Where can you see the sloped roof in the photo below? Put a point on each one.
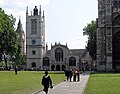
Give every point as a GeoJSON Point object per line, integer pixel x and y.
{"type": "Point", "coordinates": [78, 52]}
{"type": "Point", "coordinates": [87, 57]}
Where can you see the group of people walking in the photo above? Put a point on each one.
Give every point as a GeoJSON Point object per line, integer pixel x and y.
{"type": "Point", "coordinates": [75, 74]}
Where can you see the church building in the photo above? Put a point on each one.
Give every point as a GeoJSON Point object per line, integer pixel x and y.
{"type": "Point", "coordinates": [35, 38]}
{"type": "Point", "coordinates": [108, 35]}
{"type": "Point", "coordinates": [59, 57]}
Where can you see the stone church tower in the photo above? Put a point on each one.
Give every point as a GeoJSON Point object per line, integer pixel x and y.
{"type": "Point", "coordinates": [35, 38]}
{"type": "Point", "coordinates": [21, 37]}
{"type": "Point", "coordinates": [108, 35]}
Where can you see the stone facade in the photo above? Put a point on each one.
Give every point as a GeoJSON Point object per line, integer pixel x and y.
{"type": "Point", "coordinates": [108, 33]}
{"type": "Point", "coordinates": [21, 37]}
{"type": "Point", "coordinates": [35, 38]}
{"type": "Point", "coordinates": [60, 57]}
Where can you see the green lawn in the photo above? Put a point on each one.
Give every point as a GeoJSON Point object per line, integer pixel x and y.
{"type": "Point", "coordinates": [108, 83]}
{"type": "Point", "coordinates": [25, 82]}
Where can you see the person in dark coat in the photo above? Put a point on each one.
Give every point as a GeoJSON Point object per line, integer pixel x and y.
{"type": "Point", "coordinates": [78, 75]}
{"type": "Point", "coordinates": [46, 82]}
{"type": "Point", "coordinates": [70, 74]}
{"type": "Point", "coordinates": [15, 70]}
{"type": "Point", "coordinates": [67, 74]}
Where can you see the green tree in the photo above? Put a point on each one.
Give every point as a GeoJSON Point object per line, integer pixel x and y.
{"type": "Point", "coordinates": [8, 35]}
{"type": "Point", "coordinates": [90, 31]}
{"type": "Point", "coordinates": [20, 58]}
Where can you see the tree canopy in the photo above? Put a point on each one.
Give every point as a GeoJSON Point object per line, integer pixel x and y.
{"type": "Point", "coordinates": [8, 35]}
{"type": "Point", "coordinates": [90, 31]}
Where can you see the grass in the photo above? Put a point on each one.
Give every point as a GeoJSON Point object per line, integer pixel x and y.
{"type": "Point", "coordinates": [106, 83]}
{"type": "Point", "coordinates": [25, 82]}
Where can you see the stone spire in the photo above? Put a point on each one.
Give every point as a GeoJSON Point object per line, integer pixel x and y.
{"type": "Point", "coordinates": [21, 36]}
{"type": "Point", "coordinates": [40, 10]}
{"type": "Point", "coordinates": [46, 47]}
{"type": "Point", "coordinates": [27, 10]}
{"type": "Point", "coordinates": [19, 28]}
{"type": "Point", "coordinates": [43, 14]}
{"type": "Point", "coordinates": [66, 44]}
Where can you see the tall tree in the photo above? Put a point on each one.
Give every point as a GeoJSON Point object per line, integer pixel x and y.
{"type": "Point", "coordinates": [8, 35]}
{"type": "Point", "coordinates": [90, 31]}
{"type": "Point", "coordinates": [20, 58]}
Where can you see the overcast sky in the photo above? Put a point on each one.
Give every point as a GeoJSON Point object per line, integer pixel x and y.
{"type": "Point", "coordinates": [65, 19]}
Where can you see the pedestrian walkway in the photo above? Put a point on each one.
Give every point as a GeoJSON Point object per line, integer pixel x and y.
{"type": "Point", "coordinates": [67, 87]}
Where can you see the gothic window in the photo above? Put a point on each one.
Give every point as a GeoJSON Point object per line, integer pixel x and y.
{"type": "Point", "coordinates": [34, 26]}
{"type": "Point", "coordinates": [59, 54]}
{"type": "Point", "coordinates": [33, 64]}
{"type": "Point", "coordinates": [72, 61]}
{"type": "Point", "coordinates": [33, 52]}
{"type": "Point", "coordinates": [46, 61]}
{"type": "Point", "coordinates": [116, 21]}
{"type": "Point", "coordinates": [115, 4]}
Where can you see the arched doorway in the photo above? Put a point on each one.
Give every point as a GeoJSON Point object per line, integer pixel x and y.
{"type": "Point", "coordinates": [116, 51]}
{"type": "Point", "coordinates": [33, 65]}
{"type": "Point", "coordinates": [63, 67]}
{"type": "Point", "coordinates": [72, 61]}
{"type": "Point", "coordinates": [53, 67]}
{"type": "Point", "coordinates": [58, 68]}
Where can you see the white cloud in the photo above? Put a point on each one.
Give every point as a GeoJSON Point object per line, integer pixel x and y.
{"type": "Point", "coordinates": [18, 8]}
{"type": "Point", "coordinates": [78, 42]}
{"type": "Point", "coordinates": [39, 2]}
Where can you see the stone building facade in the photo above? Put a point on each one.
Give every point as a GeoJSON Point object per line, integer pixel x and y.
{"type": "Point", "coordinates": [21, 37]}
{"type": "Point", "coordinates": [35, 38]}
{"type": "Point", "coordinates": [108, 35]}
{"type": "Point", "coordinates": [61, 58]}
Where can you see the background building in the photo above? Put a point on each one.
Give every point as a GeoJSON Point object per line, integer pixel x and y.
{"type": "Point", "coordinates": [21, 37]}
{"type": "Point", "coordinates": [108, 35]}
{"type": "Point", "coordinates": [60, 57]}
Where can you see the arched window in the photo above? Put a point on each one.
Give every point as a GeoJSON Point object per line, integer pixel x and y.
{"type": "Point", "coordinates": [33, 64]}
{"type": "Point", "coordinates": [34, 26]}
{"type": "Point", "coordinates": [46, 61]}
{"type": "Point", "coordinates": [59, 54]}
{"type": "Point", "coordinates": [33, 52]}
{"type": "Point", "coordinates": [72, 61]}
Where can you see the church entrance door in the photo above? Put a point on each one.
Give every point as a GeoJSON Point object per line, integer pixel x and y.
{"type": "Point", "coordinates": [116, 51]}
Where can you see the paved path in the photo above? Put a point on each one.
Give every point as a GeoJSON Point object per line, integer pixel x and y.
{"type": "Point", "coordinates": [67, 87]}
